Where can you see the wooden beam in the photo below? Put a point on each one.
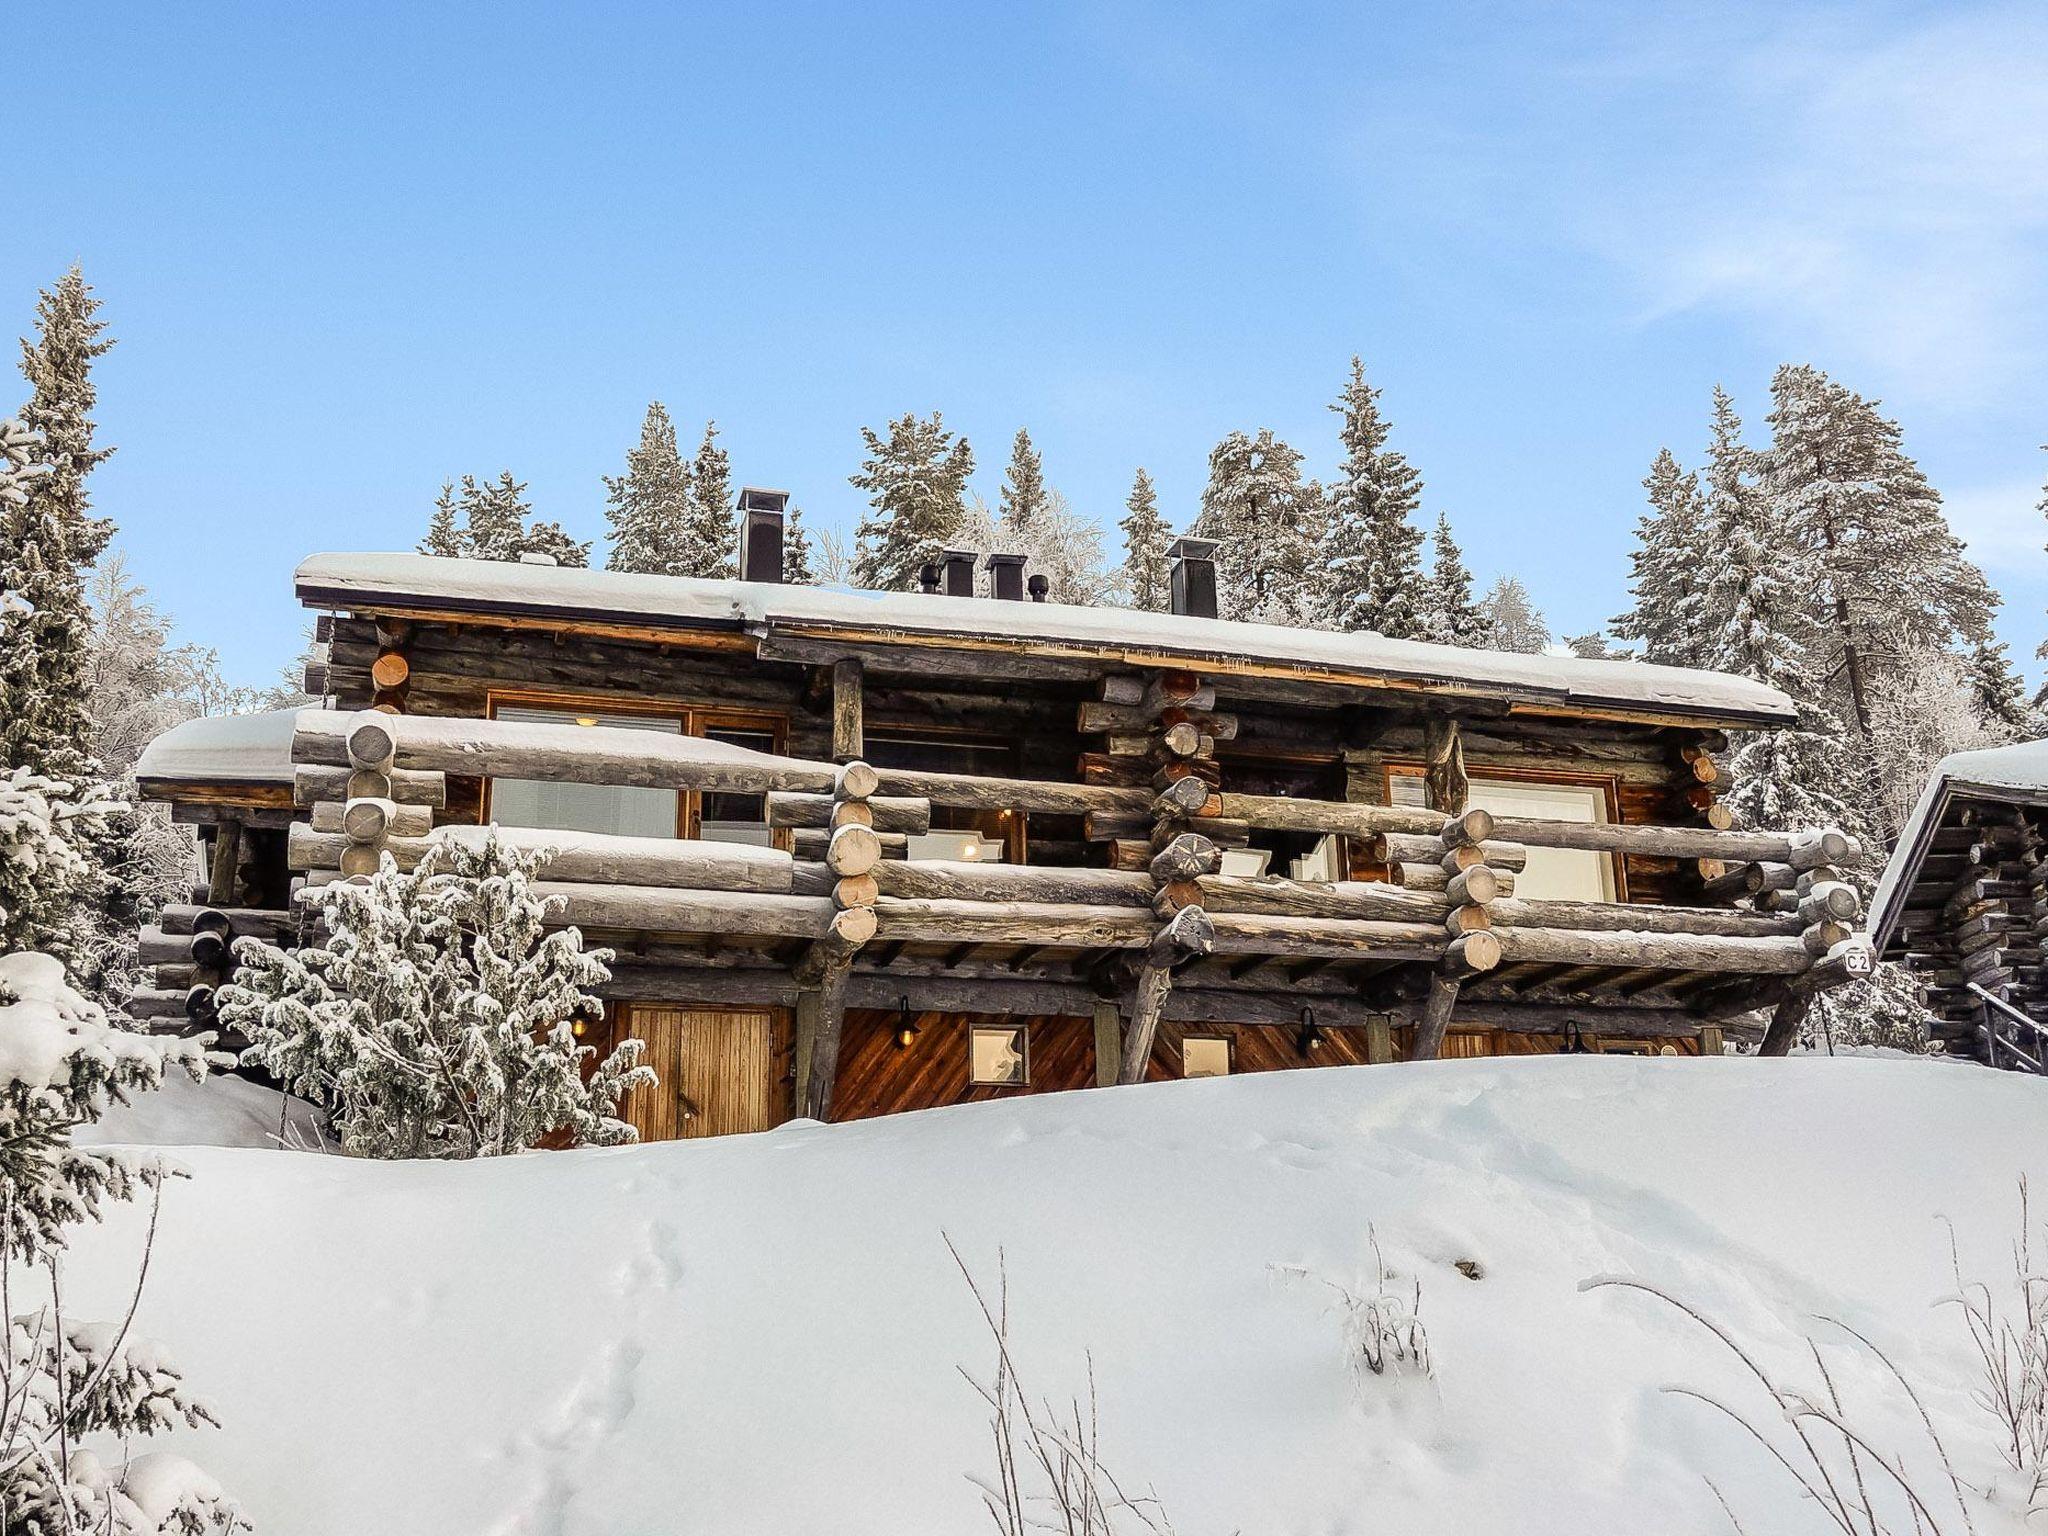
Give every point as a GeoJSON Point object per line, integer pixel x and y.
{"type": "Point", "coordinates": [227, 859]}
{"type": "Point", "coordinates": [1443, 758]}
{"type": "Point", "coordinates": [1436, 1017]}
{"type": "Point", "coordinates": [1108, 1044]}
{"type": "Point", "coordinates": [1786, 1020]}
{"type": "Point", "coordinates": [830, 1006]}
{"type": "Point", "coordinates": [848, 736]}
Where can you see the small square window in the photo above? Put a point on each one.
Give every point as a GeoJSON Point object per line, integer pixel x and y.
{"type": "Point", "coordinates": [999, 1058]}
{"type": "Point", "coordinates": [1204, 1056]}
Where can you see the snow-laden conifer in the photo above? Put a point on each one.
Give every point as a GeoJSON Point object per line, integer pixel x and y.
{"type": "Point", "coordinates": [1999, 694]}
{"type": "Point", "coordinates": [710, 531]}
{"type": "Point", "coordinates": [1265, 521]}
{"type": "Point", "coordinates": [648, 505]}
{"type": "Point", "coordinates": [1881, 570]}
{"type": "Point", "coordinates": [1374, 549]}
{"type": "Point", "coordinates": [798, 568]}
{"type": "Point", "coordinates": [1669, 568]}
{"type": "Point", "coordinates": [1059, 544]}
{"type": "Point", "coordinates": [446, 536]}
{"type": "Point", "coordinates": [1513, 622]}
{"type": "Point", "coordinates": [439, 1016]}
{"type": "Point", "coordinates": [1450, 616]}
{"type": "Point", "coordinates": [1023, 499]}
{"type": "Point", "coordinates": [1147, 571]}
{"type": "Point", "coordinates": [49, 537]}
{"type": "Point", "coordinates": [916, 483]}
{"type": "Point", "coordinates": [494, 525]}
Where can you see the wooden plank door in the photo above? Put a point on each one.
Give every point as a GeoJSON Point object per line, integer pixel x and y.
{"type": "Point", "coordinates": [716, 1069]}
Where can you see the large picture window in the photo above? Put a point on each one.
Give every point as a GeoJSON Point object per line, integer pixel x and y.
{"type": "Point", "coordinates": [628, 811]}
{"type": "Point", "coordinates": [1553, 874]}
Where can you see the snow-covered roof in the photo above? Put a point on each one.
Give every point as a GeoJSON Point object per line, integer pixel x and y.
{"type": "Point", "coordinates": [224, 749]}
{"type": "Point", "coordinates": [343, 580]}
{"type": "Point", "coordinates": [2016, 772]}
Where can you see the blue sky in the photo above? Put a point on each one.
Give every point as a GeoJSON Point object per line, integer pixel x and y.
{"type": "Point", "coordinates": [352, 251]}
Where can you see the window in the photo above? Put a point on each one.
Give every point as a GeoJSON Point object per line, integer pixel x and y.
{"type": "Point", "coordinates": [1553, 874]}
{"type": "Point", "coordinates": [585, 807]}
{"type": "Point", "coordinates": [999, 1058]}
{"type": "Point", "coordinates": [636, 812]}
{"type": "Point", "coordinates": [1204, 1056]}
{"type": "Point", "coordinates": [957, 832]}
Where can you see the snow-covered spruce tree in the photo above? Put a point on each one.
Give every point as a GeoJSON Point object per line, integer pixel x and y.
{"type": "Point", "coordinates": [1374, 550]}
{"type": "Point", "coordinates": [1147, 571]}
{"type": "Point", "coordinates": [1023, 499]}
{"type": "Point", "coordinates": [494, 524]}
{"type": "Point", "coordinates": [916, 483]}
{"type": "Point", "coordinates": [446, 536]}
{"type": "Point", "coordinates": [48, 539]}
{"type": "Point", "coordinates": [797, 567]}
{"type": "Point", "coordinates": [1882, 572]}
{"type": "Point", "coordinates": [1670, 568]}
{"type": "Point", "coordinates": [1513, 622]}
{"type": "Point", "coordinates": [1593, 646]}
{"type": "Point", "coordinates": [710, 537]}
{"type": "Point", "coordinates": [1265, 522]}
{"type": "Point", "coordinates": [553, 540]}
{"type": "Point", "coordinates": [648, 505]}
{"type": "Point", "coordinates": [438, 1018]}
{"type": "Point", "coordinates": [1449, 614]}
{"type": "Point", "coordinates": [2000, 695]}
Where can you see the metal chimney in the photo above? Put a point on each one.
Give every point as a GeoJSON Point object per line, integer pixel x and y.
{"type": "Point", "coordinates": [1192, 580]}
{"type": "Point", "coordinates": [1006, 576]}
{"type": "Point", "coordinates": [761, 533]}
{"type": "Point", "coordinates": [1039, 587]}
{"type": "Point", "coordinates": [959, 569]}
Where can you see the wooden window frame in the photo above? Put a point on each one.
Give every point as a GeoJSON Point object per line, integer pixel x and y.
{"type": "Point", "coordinates": [1016, 826]}
{"type": "Point", "coordinates": [1229, 1044]}
{"type": "Point", "coordinates": [1608, 784]}
{"type": "Point", "coordinates": [693, 718]}
{"type": "Point", "coordinates": [1023, 1034]}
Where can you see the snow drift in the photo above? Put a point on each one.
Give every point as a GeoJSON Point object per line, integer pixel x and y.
{"type": "Point", "coordinates": [761, 1334]}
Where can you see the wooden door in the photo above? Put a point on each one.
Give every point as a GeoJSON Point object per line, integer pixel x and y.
{"type": "Point", "coordinates": [716, 1069]}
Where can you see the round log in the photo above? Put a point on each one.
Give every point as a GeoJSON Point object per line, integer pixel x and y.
{"type": "Point", "coordinates": [211, 920]}
{"type": "Point", "coordinates": [966, 880]}
{"type": "Point", "coordinates": [390, 670]}
{"type": "Point", "coordinates": [852, 813]}
{"type": "Point", "coordinates": [855, 781]}
{"type": "Point", "coordinates": [372, 742]}
{"type": "Point", "coordinates": [1822, 937]}
{"type": "Point", "coordinates": [1466, 920]}
{"type": "Point", "coordinates": [855, 891]}
{"type": "Point", "coordinates": [369, 784]}
{"type": "Point", "coordinates": [1183, 797]}
{"type": "Point", "coordinates": [1182, 740]}
{"type": "Point", "coordinates": [1472, 953]}
{"type": "Point", "coordinates": [1188, 857]}
{"type": "Point", "coordinates": [1653, 951]}
{"type": "Point", "coordinates": [853, 850]}
{"type": "Point", "coordinates": [209, 949]}
{"type": "Point", "coordinates": [1830, 900]}
{"type": "Point", "coordinates": [367, 821]}
{"type": "Point", "coordinates": [1467, 829]}
{"type": "Point", "coordinates": [1477, 885]}
{"type": "Point", "coordinates": [359, 859]}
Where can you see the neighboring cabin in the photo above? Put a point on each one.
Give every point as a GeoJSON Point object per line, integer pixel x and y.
{"type": "Point", "coordinates": [1964, 900]}
{"type": "Point", "coordinates": [866, 852]}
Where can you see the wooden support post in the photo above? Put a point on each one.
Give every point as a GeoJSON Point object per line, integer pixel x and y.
{"type": "Point", "coordinates": [829, 1004]}
{"type": "Point", "coordinates": [1786, 1020]}
{"type": "Point", "coordinates": [1710, 1039]}
{"type": "Point", "coordinates": [1379, 1040]}
{"type": "Point", "coordinates": [1154, 981]}
{"type": "Point", "coordinates": [1436, 1017]}
{"type": "Point", "coordinates": [227, 859]}
{"type": "Point", "coordinates": [805, 1048]}
{"type": "Point", "coordinates": [1109, 1044]}
{"type": "Point", "coordinates": [1443, 772]}
{"type": "Point", "coordinates": [847, 731]}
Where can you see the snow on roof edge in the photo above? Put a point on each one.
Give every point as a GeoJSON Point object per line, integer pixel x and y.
{"type": "Point", "coordinates": [251, 749]}
{"type": "Point", "coordinates": [611, 596]}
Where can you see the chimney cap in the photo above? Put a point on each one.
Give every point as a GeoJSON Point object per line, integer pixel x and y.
{"type": "Point", "coordinates": [757, 498]}
{"type": "Point", "coordinates": [946, 556]}
{"type": "Point", "coordinates": [995, 558]}
{"type": "Point", "coordinates": [1187, 547]}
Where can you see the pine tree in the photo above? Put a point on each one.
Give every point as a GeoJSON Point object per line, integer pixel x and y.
{"type": "Point", "coordinates": [494, 517]}
{"type": "Point", "coordinates": [797, 569]}
{"type": "Point", "coordinates": [1669, 568]}
{"type": "Point", "coordinates": [1593, 646]}
{"type": "Point", "coordinates": [1999, 694]}
{"type": "Point", "coordinates": [1513, 622]}
{"type": "Point", "coordinates": [552, 540]}
{"type": "Point", "coordinates": [649, 504]}
{"type": "Point", "coordinates": [1882, 573]}
{"type": "Point", "coordinates": [1147, 571]}
{"type": "Point", "coordinates": [1023, 499]}
{"type": "Point", "coordinates": [436, 1020]}
{"type": "Point", "coordinates": [916, 481]}
{"type": "Point", "coordinates": [1449, 615]}
{"type": "Point", "coordinates": [710, 541]}
{"type": "Point", "coordinates": [49, 538]}
{"type": "Point", "coordinates": [1374, 553]}
{"type": "Point", "coordinates": [445, 534]}
{"type": "Point", "coordinates": [1260, 513]}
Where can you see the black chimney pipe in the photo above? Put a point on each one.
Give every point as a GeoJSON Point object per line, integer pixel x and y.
{"type": "Point", "coordinates": [761, 533]}
{"type": "Point", "coordinates": [959, 566]}
{"type": "Point", "coordinates": [1192, 579]}
{"type": "Point", "coordinates": [1005, 576]}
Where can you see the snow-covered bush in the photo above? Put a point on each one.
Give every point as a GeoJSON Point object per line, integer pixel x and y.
{"type": "Point", "coordinates": [1384, 1334]}
{"type": "Point", "coordinates": [62, 1064]}
{"type": "Point", "coordinates": [437, 1018]}
{"type": "Point", "coordinates": [43, 870]}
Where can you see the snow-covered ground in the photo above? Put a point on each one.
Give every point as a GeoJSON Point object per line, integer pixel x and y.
{"type": "Point", "coordinates": [761, 1334]}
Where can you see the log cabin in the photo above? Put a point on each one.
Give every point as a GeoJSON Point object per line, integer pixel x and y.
{"type": "Point", "coordinates": [863, 852]}
{"type": "Point", "coordinates": [1963, 903]}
